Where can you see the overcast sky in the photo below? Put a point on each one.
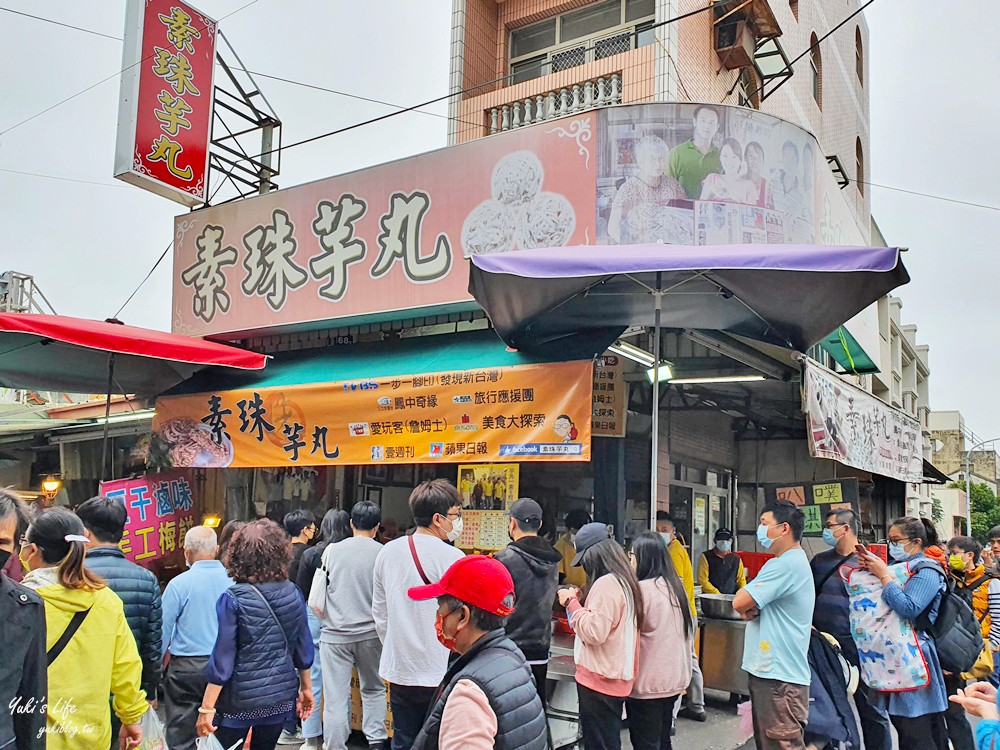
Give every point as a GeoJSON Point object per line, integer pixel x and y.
{"type": "Point", "coordinates": [88, 246]}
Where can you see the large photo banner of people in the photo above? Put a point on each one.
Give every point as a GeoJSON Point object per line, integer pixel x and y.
{"type": "Point", "coordinates": [696, 174]}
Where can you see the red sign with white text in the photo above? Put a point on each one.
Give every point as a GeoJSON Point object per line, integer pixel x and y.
{"type": "Point", "coordinates": [165, 112]}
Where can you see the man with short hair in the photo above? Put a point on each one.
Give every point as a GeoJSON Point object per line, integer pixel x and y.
{"type": "Point", "coordinates": [413, 660]}
{"type": "Point", "coordinates": [534, 567]}
{"type": "Point", "coordinates": [23, 679]}
{"type": "Point", "coordinates": [991, 553]}
{"type": "Point", "coordinates": [104, 525]}
{"type": "Point", "coordinates": [694, 701]}
{"type": "Point", "coordinates": [190, 627]}
{"type": "Point", "coordinates": [487, 698]}
{"type": "Point", "coordinates": [778, 608]}
{"type": "Point", "coordinates": [341, 596]}
{"type": "Point", "coordinates": [832, 615]}
{"type": "Point", "coordinates": [568, 574]}
{"type": "Point", "coordinates": [698, 157]}
{"type": "Point", "coordinates": [300, 525]}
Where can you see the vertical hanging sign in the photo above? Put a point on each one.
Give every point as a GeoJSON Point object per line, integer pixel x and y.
{"type": "Point", "coordinates": [165, 105]}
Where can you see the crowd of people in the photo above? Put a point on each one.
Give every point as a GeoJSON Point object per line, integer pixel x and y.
{"type": "Point", "coordinates": [259, 639]}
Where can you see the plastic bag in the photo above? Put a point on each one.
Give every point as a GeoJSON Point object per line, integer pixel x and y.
{"type": "Point", "coordinates": [746, 719]}
{"type": "Point", "coordinates": [211, 743]}
{"type": "Point", "coordinates": [154, 736]}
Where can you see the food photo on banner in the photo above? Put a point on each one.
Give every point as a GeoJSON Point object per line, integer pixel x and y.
{"type": "Point", "coordinates": [694, 174]}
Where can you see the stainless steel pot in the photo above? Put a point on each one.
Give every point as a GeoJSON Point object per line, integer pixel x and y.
{"type": "Point", "coordinates": [718, 606]}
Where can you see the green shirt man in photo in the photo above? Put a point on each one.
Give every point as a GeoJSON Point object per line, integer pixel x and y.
{"type": "Point", "coordinates": [695, 159]}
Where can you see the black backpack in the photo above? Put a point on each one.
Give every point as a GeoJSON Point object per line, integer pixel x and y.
{"type": "Point", "coordinates": [955, 631]}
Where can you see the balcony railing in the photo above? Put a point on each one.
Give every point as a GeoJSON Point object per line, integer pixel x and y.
{"type": "Point", "coordinates": [599, 92]}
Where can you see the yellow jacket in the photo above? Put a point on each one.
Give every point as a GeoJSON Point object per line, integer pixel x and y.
{"type": "Point", "coordinates": [980, 596]}
{"type": "Point", "coordinates": [100, 660]}
{"type": "Point", "coordinates": [573, 576]}
{"type": "Point", "coordinates": [682, 564]}
{"type": "Point", "coordinates": [706, 585]}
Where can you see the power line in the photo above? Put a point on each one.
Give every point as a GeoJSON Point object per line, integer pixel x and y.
{"type": "Point", "coordinates": [62, 179]}
{"type": "Point", "coordinates": [65, 25]}
{"type": "Point", "coordinates": [105, 80]}
{"type": "Point", "coordinates": [928, 195]}
{"type": "Point", "coordinates": [145, 279]}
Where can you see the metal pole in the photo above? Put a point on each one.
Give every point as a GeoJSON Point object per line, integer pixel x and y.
{"type": "Point", "coordinates": [968, 484]}
{"type": "Point", "coordinates": [654, 461]}
{"type": "Point", "coordinates": [107, 415]}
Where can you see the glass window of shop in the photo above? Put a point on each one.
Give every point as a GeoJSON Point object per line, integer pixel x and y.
{"type": "Point", "coordinates": [700, 504]}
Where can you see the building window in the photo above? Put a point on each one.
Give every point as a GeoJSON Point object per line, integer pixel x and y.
{"type": "Point", "coordinates": [794, 5]}
{"type": "Point", "coordinates": [816, 64]}
{"type": "Point", "coordinates": [859, 55]}
{"type": "Point", "coordinates": [748, 90]}
{"type": "Point", "coordinates": [859, 156]}
{"type": "Point", "coordinates": [593, 32]}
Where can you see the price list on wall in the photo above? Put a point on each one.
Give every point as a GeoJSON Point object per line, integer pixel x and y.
{"type": "Point", "coordinates": [484, 530]}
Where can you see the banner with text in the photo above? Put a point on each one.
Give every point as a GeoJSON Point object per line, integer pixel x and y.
{"type": "Point", "coordinates": [852, 426]}
{"type": "Point", "coordinates": [521, 413]}
{"type": "Point", "coordinates": [160, 512]}
{"type": "Point", "coordinates": [817, 499]}
{"type": "Point", "coordinates": [610, 397]}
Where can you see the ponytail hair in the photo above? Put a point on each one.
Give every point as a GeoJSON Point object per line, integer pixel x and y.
{"type": "Point", "coordinates": [917, 528]}
{"type": "Point", "coordinates": [58, 534]}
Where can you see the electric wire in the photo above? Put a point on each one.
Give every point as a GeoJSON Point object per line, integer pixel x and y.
{"type": "Point", "coordinates": [60, 23]}
{"type": "Point", "coordinates": [145, 278]}
{"type": "Point", "coordinates": [63, 179]}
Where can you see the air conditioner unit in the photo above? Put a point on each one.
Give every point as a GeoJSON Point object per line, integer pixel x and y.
{"type": "Point", "coordinates": [734, 43]}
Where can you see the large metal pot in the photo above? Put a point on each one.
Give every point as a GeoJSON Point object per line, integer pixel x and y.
{"type": "Point", "coordinates": [718, 606]}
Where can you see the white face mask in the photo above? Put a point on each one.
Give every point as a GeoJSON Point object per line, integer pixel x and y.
{"type": "Point", "coordinates": [456, 529]}
{"type": "Point", "coordinates": [572, 538]}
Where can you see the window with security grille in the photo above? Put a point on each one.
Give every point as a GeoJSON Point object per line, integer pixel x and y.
{"type": "Point", "coordinates": [595, 32]}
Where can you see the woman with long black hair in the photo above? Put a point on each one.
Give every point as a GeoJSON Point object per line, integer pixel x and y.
{"type": "Point", "coordinates": [665, 642]}
{"type": "Point", "coordinates": [607, 635]}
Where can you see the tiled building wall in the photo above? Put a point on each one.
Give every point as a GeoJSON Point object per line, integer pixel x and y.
{"type": "Point", "coordinates": [685, 51]}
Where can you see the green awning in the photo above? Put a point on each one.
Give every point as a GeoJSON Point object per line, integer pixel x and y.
{"type": "Point", "coordinates": [847, 352]}
{"type": "Point", "coordinates": [355, 362]}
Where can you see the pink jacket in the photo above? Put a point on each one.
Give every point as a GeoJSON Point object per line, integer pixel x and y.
{"type": "Point", "coordinates": [468, 721]}
{"type": "Point", "coordinates": [607, 639]}
{"type": "Point", "coordinates": [665, 667]}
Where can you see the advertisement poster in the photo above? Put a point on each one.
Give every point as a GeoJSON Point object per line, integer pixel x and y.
{"type": "Point", "coordinates": [692, 174]}
{"type": "Point", "coordinates": [484, 530]}
{"type": "Point", "coordinates": [160, 512]}
{"type": "Point", "coordinates": [488, 486]}
{"type": "Point", "coordinates": [504, 414]}
{"type": "Point", "coordinates": [610, 397]}
{"type": "Point", "coordinates": [849, 425]}
{"type": "Point", "coordinates": [816, 499]}
{"type": "Point", "coordinates": [165, 108]}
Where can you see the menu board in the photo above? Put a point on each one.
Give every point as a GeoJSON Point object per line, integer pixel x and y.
{"type": "Point", "coordinates": [610, 397]}
{"type": "Point", "coordinates": [484, 530]}
{"type": "Point", "coordinates": [816, 499]}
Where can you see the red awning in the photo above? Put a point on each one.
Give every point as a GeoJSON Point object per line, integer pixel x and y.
{"type": "Point", "coordinates": [54, 352]}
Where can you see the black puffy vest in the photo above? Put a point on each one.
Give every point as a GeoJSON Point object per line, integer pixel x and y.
{"type": "Point", "coordinates": [497, 666]}
{"type": "Point", "coordinates": [264, 673]}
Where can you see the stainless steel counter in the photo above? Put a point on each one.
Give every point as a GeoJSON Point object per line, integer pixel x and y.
{"type": "Point", "coordinates": [720, 650]}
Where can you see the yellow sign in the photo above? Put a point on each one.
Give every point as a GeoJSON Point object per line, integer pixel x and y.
{"type": "Point", "coordinates": [828, 493]}
{"type": "Point", "coordinates": [488, 486]}
{"type": "Point", "coordinates": [610, 399]}
{"type": "Point", "coordinates": [504, 414]}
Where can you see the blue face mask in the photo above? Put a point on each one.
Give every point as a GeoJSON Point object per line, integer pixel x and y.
{"type": "Point", "coordinates": [829, 538]}
{"type": "Point", "coordinates": [667, 537]}
{"type": "Point", "coordinates": [762, 538]}
{"type": "Point", "coordinates": [724, 545]}
{"type": "Point", "coordinates": [897, 551]}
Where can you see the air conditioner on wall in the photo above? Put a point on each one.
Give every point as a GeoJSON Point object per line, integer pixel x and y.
{"type": "Point", "coordinates": [734, 43]}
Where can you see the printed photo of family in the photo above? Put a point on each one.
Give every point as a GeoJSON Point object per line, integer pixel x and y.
{"type": "Point", "coordinates": [705, 175]}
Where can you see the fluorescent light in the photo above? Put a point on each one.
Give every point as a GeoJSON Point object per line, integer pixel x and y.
{"type": "Point", "coordinates": [133, 416]}
{"type": "Point", "coordinates": [632, 352]}
{"type": "Point", "coordinates": [663, 373]}
{"type": "Point", "coordinates": [719, 379]}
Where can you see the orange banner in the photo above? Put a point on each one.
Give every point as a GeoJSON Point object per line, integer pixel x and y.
{"type": "Point", "coordinates": [521, 413]}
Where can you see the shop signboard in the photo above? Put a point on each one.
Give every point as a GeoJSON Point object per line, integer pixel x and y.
{"type": "Point", "coordinates": [166, 97]}
{"type": "Point", "coordinates": [518, 413]}
{"type": "Point", "coordinates": [817, 499]}
{"type": "Point", "coordinates": [610, 397]}
{"type": "Point", "coordinates": [488, 486]}
{"type": "Point", "coordinates": [160, 512]}
{"type": "Point", "coordinates": [857, 429]}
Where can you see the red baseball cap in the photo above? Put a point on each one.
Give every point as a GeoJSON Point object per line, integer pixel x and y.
{"type": "Point", "coordinates": [475, 580]}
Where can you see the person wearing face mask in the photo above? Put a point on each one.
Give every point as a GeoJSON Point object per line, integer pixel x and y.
{"type": "Point", "coordinates": [23, 681]}
{"type": "Point", "coordinates": [571, 576]}
{"type": "Point", "coordinates": [778, 608]}
{"type": "Point", "coordinates": [190, 627]}
{"type": "Point", "coordinates": [832, 615]}
{"type": "Point", "coordinates": [487, 698]}
{"type": "Point", "coordinates": [720, 570]}
{"type": "Point", "coordinates": [300, 525]}
{"type": "Point", "coordinates": [413, 661]}
{"type": "Point", "coordinates": [918, 715]}
{"type": "Point", "coordinates": [534, 567]}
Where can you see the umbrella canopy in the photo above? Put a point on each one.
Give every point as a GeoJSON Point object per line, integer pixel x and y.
{"type": "Point", "coordinates": [789, 295]}
{"type": "Point", "coordinates": [57, 353]}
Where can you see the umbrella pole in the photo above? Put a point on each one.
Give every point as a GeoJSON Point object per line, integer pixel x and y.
{"type": "Point", "coordinates": [107, 416]}
{"type": "Point", "coordinates": [654, 461]}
